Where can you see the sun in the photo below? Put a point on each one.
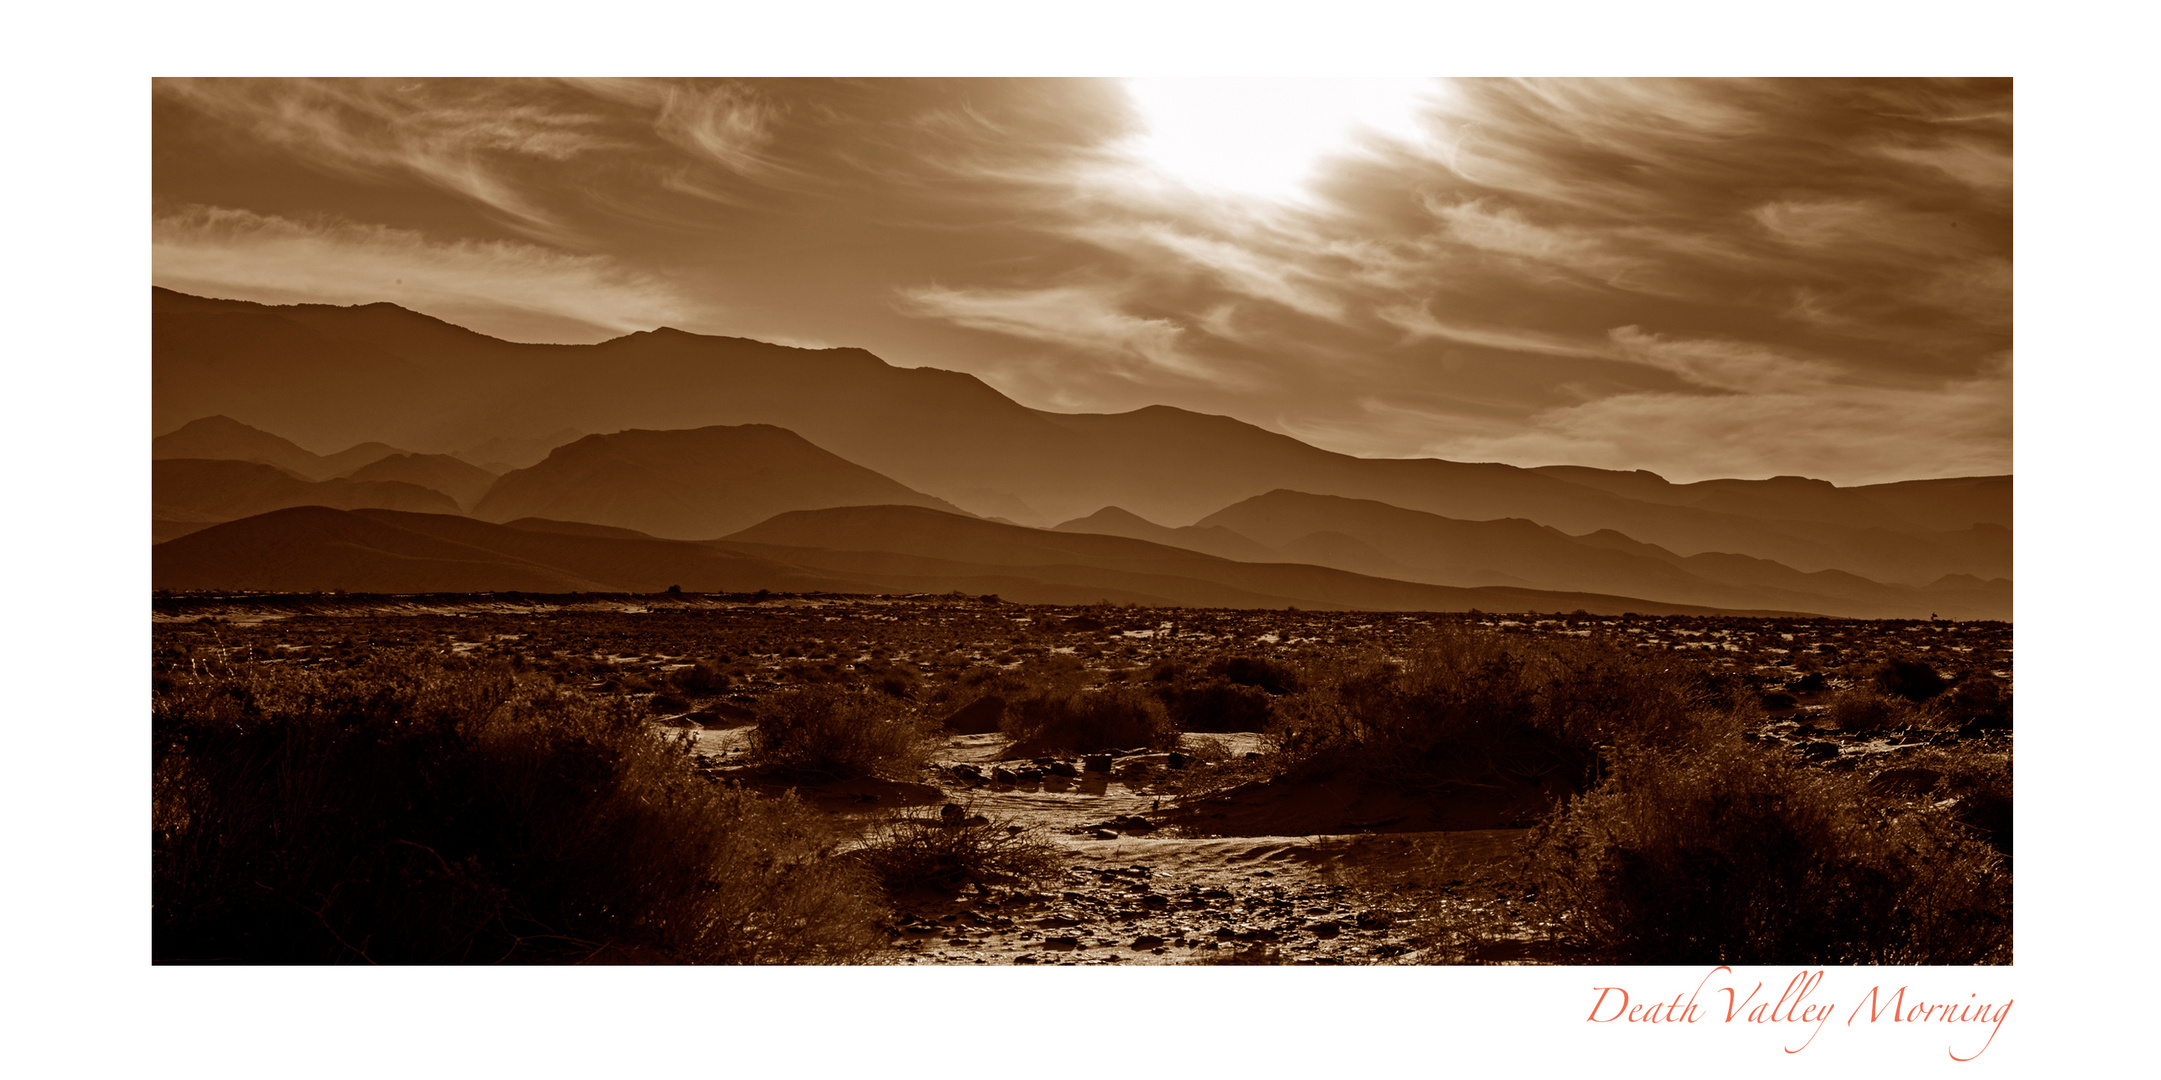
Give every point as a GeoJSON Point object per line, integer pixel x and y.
{"type": "Point", "coordinates": [1265, 137]}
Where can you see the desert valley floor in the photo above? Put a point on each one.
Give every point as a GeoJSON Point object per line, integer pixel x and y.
{"type": "Point", "coordinates": [1200, 851]}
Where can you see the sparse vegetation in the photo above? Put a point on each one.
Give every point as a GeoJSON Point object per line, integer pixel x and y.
{"type": "Point", "coordinates": [416, 810]}
{"type": "Point", "coordinates": [291, 748]}
{"type": "Point", "coordinates": [928, 850]}
{"type": "Point", "coordinates": [1113, 717]}
{"type": "Point", "coordinates": [1459, 703]}
{"type": "Point", "coordinates": [1745, 857]}
{"type": "Point", "coordinates": [838, 731]}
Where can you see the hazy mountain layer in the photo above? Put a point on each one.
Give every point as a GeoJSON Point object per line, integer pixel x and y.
{"type": "Point", "coordinates": [226, 439]}
{"type": "Point", "coordinates": [190, 489]}
{"type": "Point", "coordinates": [890, 549]}
{"type": "Point", "coordinates": [689, 485]}
{"type": "Point", "coordinates": [893, 542]}
{"type": "Point", "coordinates": [1388, 541]}
{"type": "Point", "coordinates": [333, 375]}
{"type": "Point", "coordinates": [316, 549]}
{"type": "Point", "coordinates": [463, 482]}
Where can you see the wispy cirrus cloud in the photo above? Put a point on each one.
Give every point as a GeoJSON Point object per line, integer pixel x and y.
{"type": "Point", "coordinates": [1858, 434]}
{"type": "Point", "coordinates": [1075, 318]}
{"type": "Point", "coordinates": [487, 285]}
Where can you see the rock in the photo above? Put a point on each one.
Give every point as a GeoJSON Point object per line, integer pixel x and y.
{"type": "Point", "coordinates": [1326, 929]}
{"type": "Point", "coordinates": [1061, 942]}
{"type": "Point", "coordinates": [1175, 760]}
{"type": "Point", "coordinates": [951, 814]}
{"type": "Point", "coordinates": [1146, 941]}
{"type": "Point", "coordinates": [1097, 763]}
{"type": "Point", "coordinates": [1004, 776]}
{"type": "Point", "coordinates": [1065, 769]}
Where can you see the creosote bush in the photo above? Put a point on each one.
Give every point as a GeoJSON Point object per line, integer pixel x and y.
{"type": "Point", "coordinates": [1908, 679]}
{"type": "Point", "coordinates": [922, 851]}
{"type": "Point", "coordinates": [1114, 717]}
{"type": "Point", "coordinates": [839, 731]}
{"type": "Point", "coordinates": [1464, 703]}
{"type": "Point", "coordinates": [417, 810]}
{"type": "Point", "coordinates": [1738, 855]}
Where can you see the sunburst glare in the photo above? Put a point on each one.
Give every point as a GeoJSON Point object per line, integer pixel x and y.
{"type": "Point", "coordinates": [1266, 137]}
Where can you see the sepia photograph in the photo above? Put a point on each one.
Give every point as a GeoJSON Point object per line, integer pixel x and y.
{"type": "Point", "coordinates": [1177, 538]}
{"type": "Point", "coordinates": [1082, 521]}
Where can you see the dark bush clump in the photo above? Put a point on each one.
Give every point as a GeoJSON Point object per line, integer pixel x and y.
{"type": "Point", "coordinates": [703, 679]}
{"type": "Point", "coordinates": [1908, 680]}
{"type": "Point", "coordinates": [1738, 856]}
{"type": "Point", "coordinates": [416, 811]}
{"type": "Point", "coordinates": [1465, 703]}
{"type": "Point", "coordinates": [839, 732]}
{"type": "Point", "coordinates": [1115, 717]}
{"type": "Point", "coordinates": [1216, 706]}
{"type": "Point", "coordinates": [1863, 709]}
{"type": "Point", "coordinates": [1273, 676]}
{"type": "Point", "coordinates": [1980, 701]}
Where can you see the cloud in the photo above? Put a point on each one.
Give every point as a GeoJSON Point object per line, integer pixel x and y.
{"type": "Point", "coordinates": [1847, 434]}
{"type": "Point", "coordinates": [1968, 161]}
{"type": "Point", "coordinates": [1479, 224]}
{"type": "Point", "coordinates": [1722, 365]}
{"type": "Point", "coordinates": [1084, 319]}
{"type": "Point", "coordinates": [473, 138]}
{"type": "Point", "coordinates": [496, 287]}
{"type": "Point", "coordinates": [1419, 324]}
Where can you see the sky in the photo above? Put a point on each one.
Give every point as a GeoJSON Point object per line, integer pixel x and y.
{"type": "Point", "coordinates": [1698, 277]}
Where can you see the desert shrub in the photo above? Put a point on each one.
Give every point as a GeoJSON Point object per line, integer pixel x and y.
{"type": "Point", "coordinates": [922, 851]}
{"type": "Point", "coordinates": [1863, 710]}
{"type": "Point", "coordinates": [417, 811]}
{"type": "Point", "coordinates": [703, 679]}
{"type": "Point", "coordinates": [1465, 700]}
{"type": "Point", "coordinates": [1981, 701]}
{"type": "Point", "coordinates": [838, 731]}
{"type": "Point", "coordinates": [1216, 706]}
{"type": "Point", "coordinates": [1274, 676]}
{"type": "Point", "coordinates": [1115, 717]}
{"type": "Point", "coordinates": [1738, 856]}
{"type": "Point", "coordinates": [1907, 679]}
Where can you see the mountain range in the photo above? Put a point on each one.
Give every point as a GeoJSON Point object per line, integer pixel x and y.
{"type": "Point", "coordinates": [704, 438]}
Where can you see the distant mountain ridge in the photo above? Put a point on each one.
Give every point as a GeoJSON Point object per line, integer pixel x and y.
{"type": "Point", "coordinates": [188, 492]}
{"type": "Point", "coordinates": [1388, 541]}
{"type": "Point", "coordinates": [689, 485]}
{"type": "Point", "coordinates": [332, 374]}
{"type": "Point", "coordinates": [862, 549]}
